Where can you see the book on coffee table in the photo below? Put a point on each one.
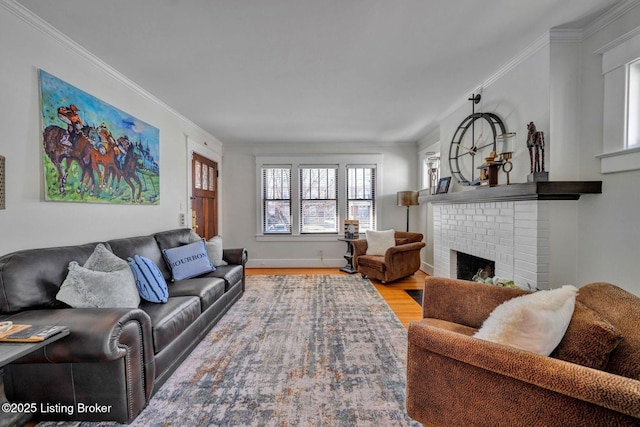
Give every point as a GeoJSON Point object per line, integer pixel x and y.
{"type": "Point", "coordinates": [29, 333]}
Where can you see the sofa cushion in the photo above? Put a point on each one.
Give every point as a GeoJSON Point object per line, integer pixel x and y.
{"type": "Point", "coordinates": [622, 309]}
{"type": "Point", "coordinates": [214, 250]}
{"type": "Point", "coordinates": [371, 261]}
{"type": "Point", "coordinates": [32, 278]}
{"type": "Point", "coordinates": [103, 281]}
{"type": "Point", "coordinates": [208, 289]}
{"type": "Point", "coordinates": [535, 322]}
{"type": "Point", "coordinates": [379, 241]}
{"type": "Point", "coordinates": [171, 319]}
{"type": "Point", "coordinates": [231, 274]}
{"type": "Point", "coordinates": [173, 238]}
{"type": "Point", "coordinates": [589, 339]}
{"type": "Point", "coordinates": [149, 280]}
{"type": "Point", "coordinates": [213, 246]}
{"type": "Point", "coordinates": [145, 246]}
{"type": "Point", "coordinates": [188, 261]}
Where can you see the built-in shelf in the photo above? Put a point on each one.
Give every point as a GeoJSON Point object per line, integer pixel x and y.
{"type": "Point", "coordinates": [550, 190]}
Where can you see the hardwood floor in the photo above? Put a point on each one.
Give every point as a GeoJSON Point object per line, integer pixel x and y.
{"type": "Point", "coordinates": [394, 293]}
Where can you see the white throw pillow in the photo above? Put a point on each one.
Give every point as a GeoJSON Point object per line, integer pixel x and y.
{"type": "Point", "coordinates": [213, 246]}
{"type": "Point", "coordinates": [534, 322]}
{"type": "Point", "coordinates": [214, 250]}
{"type": "Point", "coordinates": [103, 281]}
{"type": "Point", "coordinates": [379, 241]}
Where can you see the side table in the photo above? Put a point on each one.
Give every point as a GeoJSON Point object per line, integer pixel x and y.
{"type": "Point", "coordinates": [348, 256]}
{"type": "Point", "coordinates": [10, 351]}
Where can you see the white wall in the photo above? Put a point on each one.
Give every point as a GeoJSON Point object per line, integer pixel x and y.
{"type": "Point", "coordinates": [519, 96]}
{"type": "Point", "coordinates": [240, 214]}
{"type": "Point", "coordinates": [28, 221]}
{"type": "Point", "coordinates": [559, 86]}
{"type": "Point", "coordinates": [428, 144]}
{"type": "Point", "coordinates": [609, 236]}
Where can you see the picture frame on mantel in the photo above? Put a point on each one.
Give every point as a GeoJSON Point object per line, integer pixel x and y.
{"type": "Point", "coordinates": [443, 185]}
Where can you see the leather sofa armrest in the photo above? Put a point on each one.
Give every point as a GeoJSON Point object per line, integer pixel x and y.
{"type": "Point", "coordinates": [237, 256]}
{"type": "Point", "coordinates": [96, 334]}
{"type": "Point", "coordinates": [502, 365]}
{"type": "Point", "coordinates": [463, 302]}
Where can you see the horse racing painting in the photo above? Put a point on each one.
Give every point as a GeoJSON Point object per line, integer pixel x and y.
{"type": "Point", "coordinates": [94, 152]}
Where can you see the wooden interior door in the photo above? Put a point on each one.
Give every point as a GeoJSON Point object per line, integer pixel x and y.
{"type": "Point", "coordinates": [204, 200]}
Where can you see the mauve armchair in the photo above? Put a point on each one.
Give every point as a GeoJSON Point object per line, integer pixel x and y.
{"type": "Point", "coordinates": [399, 261]}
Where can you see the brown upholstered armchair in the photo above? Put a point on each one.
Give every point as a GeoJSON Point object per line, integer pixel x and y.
{"type": "Point", "coordinates": [592, 378]}
{"type": "Point", "coordinates": [399, 261]}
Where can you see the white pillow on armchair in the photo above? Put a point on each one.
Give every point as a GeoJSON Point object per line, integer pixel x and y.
{"type": "Point", "coordinates": [379, 241]}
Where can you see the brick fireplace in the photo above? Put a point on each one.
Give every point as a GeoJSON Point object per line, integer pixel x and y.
{"type": "Point", "coordinates": [513, 234]}
{"type": "Point", "coordinates": [510, 226]}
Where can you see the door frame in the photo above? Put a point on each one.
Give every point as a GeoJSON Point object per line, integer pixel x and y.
{"type": "Point", "coordinates": [198, 148]}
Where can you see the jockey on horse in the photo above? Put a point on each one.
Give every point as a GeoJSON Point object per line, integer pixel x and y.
{"type": "Point", "coordinates": [70, 116]}
{"type": "Point", "coordinates": [120, 147]}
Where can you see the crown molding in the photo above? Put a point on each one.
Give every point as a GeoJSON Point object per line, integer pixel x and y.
{"type": "Point", "coordinates": [578, 35]}
{"type": "Point", "coordinates": [618, 41]}
{"type": "Point", "coordinates": [609, 16]}
{"type": "Point", "coordinates": [541, 42]}
{"type": "Point", "coordinates": [570, 35]}
{"type": "Point", "coordinates": [47, 29]}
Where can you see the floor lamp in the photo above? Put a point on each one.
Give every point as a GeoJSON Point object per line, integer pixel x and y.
{"type": "Point", "coordinates": [408, 199]}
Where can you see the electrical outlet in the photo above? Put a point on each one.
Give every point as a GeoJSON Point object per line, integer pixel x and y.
{"type": "Point", "coordinates": [182, 219]}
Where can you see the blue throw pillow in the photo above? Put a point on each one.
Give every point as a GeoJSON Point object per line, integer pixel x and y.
{"type": "Point", "coordinates": [188, 260]}
{"type": "Point", "coordinates": [149, 280]}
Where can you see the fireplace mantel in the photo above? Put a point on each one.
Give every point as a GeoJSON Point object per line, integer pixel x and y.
{"type": "Point", "coordinates": [549, 190]}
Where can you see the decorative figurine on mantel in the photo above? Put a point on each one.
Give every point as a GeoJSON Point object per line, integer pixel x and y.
{"type": "Point", "coordinates": [535, 144]}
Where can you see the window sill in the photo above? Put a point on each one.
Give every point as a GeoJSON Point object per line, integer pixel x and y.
{"type": "Point", "coordinates": [298, 237]}
{"type": "Point", "coordinates": [620, 161]}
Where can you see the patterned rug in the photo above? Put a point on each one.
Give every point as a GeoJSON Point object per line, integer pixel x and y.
{"type": "Point", "coordinates": [304, 350]}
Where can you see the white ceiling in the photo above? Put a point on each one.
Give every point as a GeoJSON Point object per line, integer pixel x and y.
{"type": "Point", "coordinates": [310, 70]}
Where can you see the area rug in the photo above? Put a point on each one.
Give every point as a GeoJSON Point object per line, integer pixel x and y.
{"type": "Point", "coordinates": [297, 350]}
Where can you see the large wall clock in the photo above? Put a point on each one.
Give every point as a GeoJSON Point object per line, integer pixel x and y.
{"type": "Point", "coordinates": [474, 140]}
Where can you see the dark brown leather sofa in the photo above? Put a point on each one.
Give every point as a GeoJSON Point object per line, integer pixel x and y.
{"type": "Point", "coordinates": [113, 357]}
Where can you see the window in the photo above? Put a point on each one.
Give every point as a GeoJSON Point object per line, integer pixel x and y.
{"type": "Point", "coordinates": [318, 200]}
{"type": "Point", "coordinates": [621, 108]}
{"type": "Point", "coordinates": [361, 196]}
{"type": "Point", "coordinates": [633, 108]}
{"type": "Point", "coordinates": [276, 200]}
{"type": "Point", "coordinates": [309, 197]}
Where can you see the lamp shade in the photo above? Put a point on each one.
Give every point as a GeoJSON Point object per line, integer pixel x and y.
{"type": "Point", "coordinates": [407, 198]}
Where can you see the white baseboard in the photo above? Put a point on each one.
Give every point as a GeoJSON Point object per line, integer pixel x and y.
{"type": "Point", "coordinates": [296, 263]}
{"type": "Point", "coordinates": [427, 268]}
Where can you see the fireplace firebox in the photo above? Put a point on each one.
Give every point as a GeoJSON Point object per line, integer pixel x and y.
{"type": "Point", "coordinates": [467, 266]}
